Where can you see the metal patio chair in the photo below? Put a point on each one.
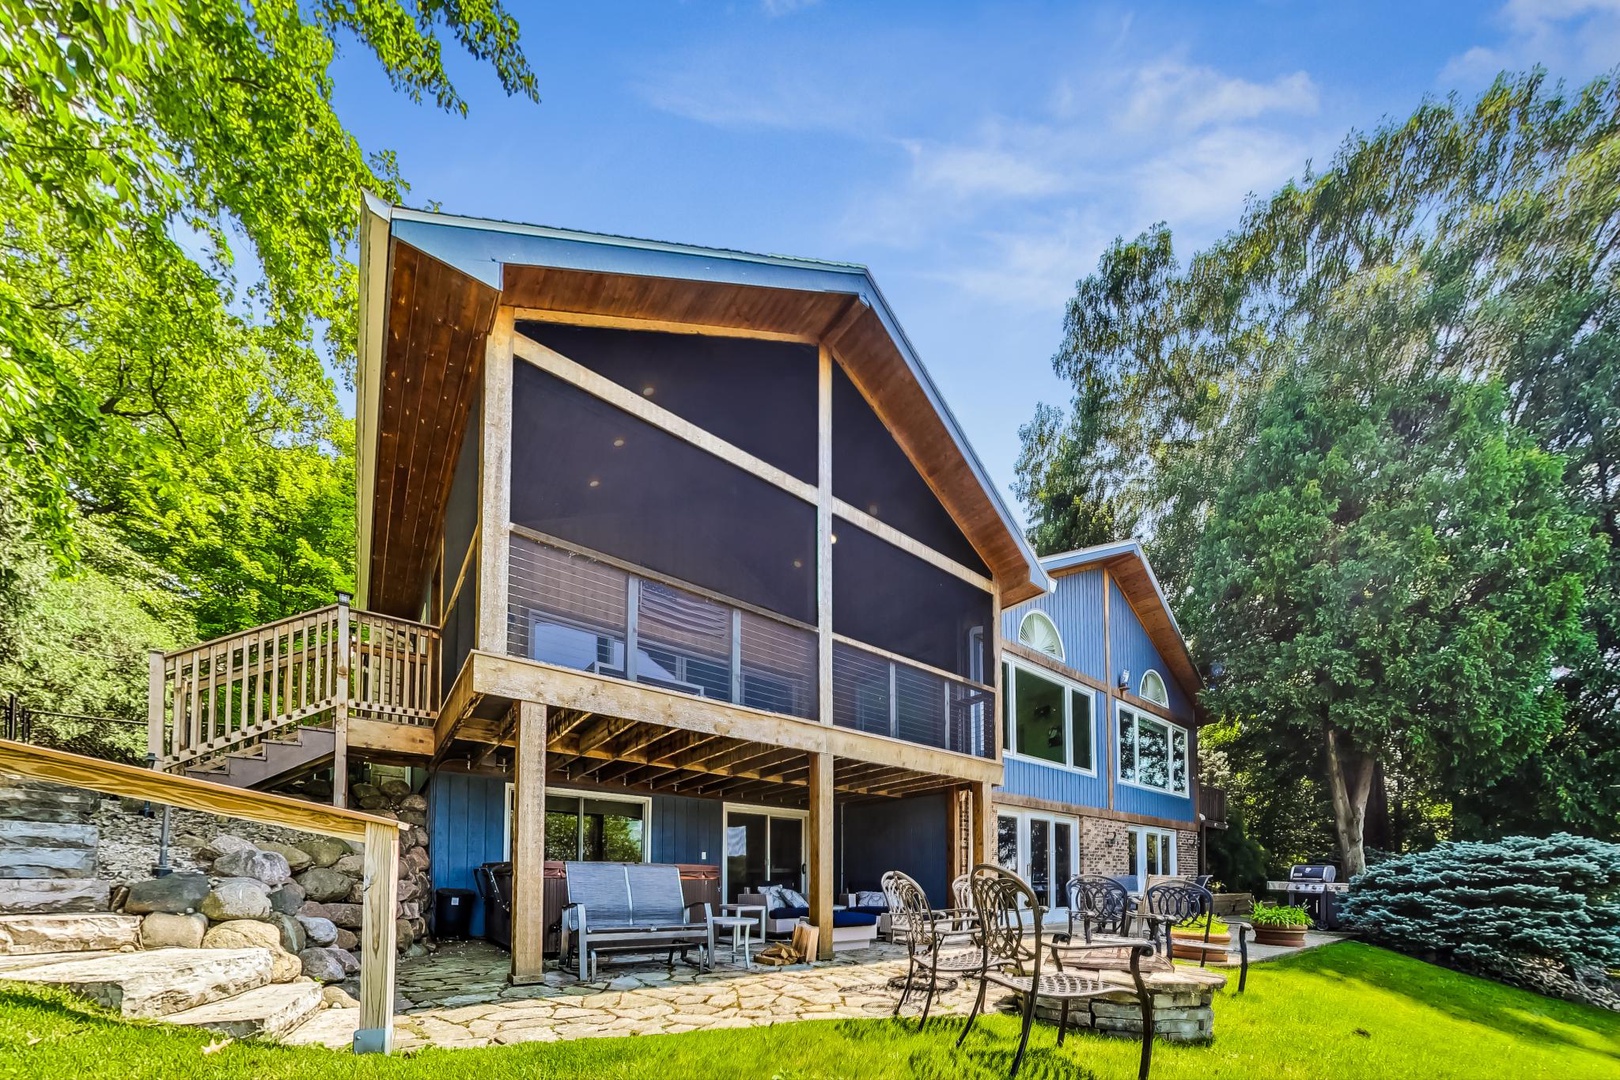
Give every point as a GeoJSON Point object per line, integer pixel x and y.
{"type": "Point", "coordinates": [1012, 955]}
{"type": "Point", "coordinates": [1100, 905]}
{"type": "Point", "coordinates": [1181, 903]}
{"type": "Point", "coordinates": [937, 942]}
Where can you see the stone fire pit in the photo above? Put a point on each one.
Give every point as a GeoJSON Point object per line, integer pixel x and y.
{"type": "Point", "coordinates": [1181, 1005]}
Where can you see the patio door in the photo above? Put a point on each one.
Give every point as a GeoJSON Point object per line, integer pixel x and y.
{"type": "Point", "coordinates": [1041, 849]}
{"type": "Point", "coordinates": [763, 847]}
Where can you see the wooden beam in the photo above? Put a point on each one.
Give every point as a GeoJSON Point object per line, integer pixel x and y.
{"type": "Point", "coordinates": [824, 538]}
{"type": "Point", "coordinates": [663, 326]}
{"type": "Point", "coordinates": [514, 678]}
{"type": "Point", "coordinates": [495, 485]}
{"type": "Point", "coordinates": [984, 823]}
{"type": "Point", "coordinates": [577, 375]}
{"type": "Point", "coordinates": [379, 897]}
{"type": "Point", "coordinates": [893, 536]}
{"type": "Point", "coordinates": [1110, 740]}
{"type": "Point", "coordinates": [529, 846]}
{"type": "Point", "coordinates": [820, 828]}
{"type": "Point", "coordinates": [386, 737]}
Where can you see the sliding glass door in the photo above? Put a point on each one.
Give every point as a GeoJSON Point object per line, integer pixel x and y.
{"type": "Point", "coordinates": [763, 847]}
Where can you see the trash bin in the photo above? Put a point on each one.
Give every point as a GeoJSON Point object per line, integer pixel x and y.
{"type": "Point", "coordinates": [495, 886]}
{"type": "Point", "coordinates": [452, 913]}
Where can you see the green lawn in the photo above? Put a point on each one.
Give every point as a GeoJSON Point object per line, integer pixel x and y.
{"type": "Point", "coordinates": [1348, 1011]}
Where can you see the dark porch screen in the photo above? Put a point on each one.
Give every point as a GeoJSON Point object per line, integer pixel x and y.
{"type": "Point", "coordinates": [589, 473]}
{"type": "Point", "coordinates": [888, 598]}
{"type": "Point", "coordinates": [872, 473]}
{"type": "Point", "coordinates": [760, 396]}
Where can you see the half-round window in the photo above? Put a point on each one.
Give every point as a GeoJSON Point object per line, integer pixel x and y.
{"type": "Point", "coordinates": [1153, 688]}
{"type": "Point", "coordinates": [1039, 633]}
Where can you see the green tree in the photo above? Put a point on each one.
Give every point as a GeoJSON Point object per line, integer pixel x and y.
{"type": "Point", "coordinates": [1392, 571]}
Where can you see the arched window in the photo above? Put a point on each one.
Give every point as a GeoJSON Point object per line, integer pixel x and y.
{"type": "Point", "coordinates": [1153, 688]}
{"type": "Point", "coordinates": [1041, 634]}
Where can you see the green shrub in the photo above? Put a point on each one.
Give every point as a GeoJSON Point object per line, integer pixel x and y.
{"type": "Point", "coordinates": [1280, 917]}
{"type": "Point", "coordinates": [1217, 926]}
{"type": "Point", "coordinates": [1501, 908]}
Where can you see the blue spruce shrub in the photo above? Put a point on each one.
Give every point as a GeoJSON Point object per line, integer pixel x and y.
{"type": "Point", "coordinates": [1512, 909]}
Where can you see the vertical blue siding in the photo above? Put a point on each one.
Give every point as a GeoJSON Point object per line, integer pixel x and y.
{"type": "Point", "coordinates": [466, 828]}
{"type": "Point", "coordinates": [1134, 652]}
{"type": "Point", "coordinates": [686, 830]}
{"type": "Point", "coordinates": [1058, 785]}
{"type": "Point", "coordinates": [910, 835]}
{"type": "Point", "coordinates": [1075, 608]}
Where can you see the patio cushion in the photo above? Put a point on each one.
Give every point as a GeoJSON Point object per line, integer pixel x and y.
{"type": "Point", "coordinates": [841, 916]}
{"type": "Point", "coordinates": [789, 912]}
{"type": "Point", "coordinates": [873, 910]}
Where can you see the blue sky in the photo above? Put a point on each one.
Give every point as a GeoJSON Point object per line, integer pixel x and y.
{"type": "Point", "coordinates": [977, 157]}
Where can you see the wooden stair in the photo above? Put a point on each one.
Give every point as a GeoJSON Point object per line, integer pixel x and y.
{"type": "Point", "coordinates": [296, 752]}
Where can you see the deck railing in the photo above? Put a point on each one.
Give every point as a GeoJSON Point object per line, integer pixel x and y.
{"type": "Point", "coordinates": [228, 694]}
{"type": "Point", "coordinates": [883, 694]}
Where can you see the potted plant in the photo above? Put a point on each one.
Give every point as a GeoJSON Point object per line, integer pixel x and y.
{"type": "Point", "coordinates": [1192, 932]}
{"type": "Point", "coordinates": [1279, 924]}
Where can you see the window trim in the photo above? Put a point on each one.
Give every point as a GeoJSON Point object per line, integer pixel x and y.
{"type": "Point", "coordinates": [1141, 689]}
{"type": "Point", "coordinates": [1120, 709]}
{"type": "Point", "coordinates": [1038, 615]}
{"type": "Point", "coordinates": [1009, 749]}
{"type": "Point", "coordinates": [582, 793]}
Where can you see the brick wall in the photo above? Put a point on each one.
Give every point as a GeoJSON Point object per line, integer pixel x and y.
{"type": "Point", "coordinates": [1105, 848]}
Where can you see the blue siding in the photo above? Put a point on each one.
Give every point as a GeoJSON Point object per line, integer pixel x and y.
{"type": "Point", "coordinates": [1134, 652]}
{"type": "Point", "coordinates": [466, 828]}
{"type": "Point", "coordinates": [910, 835]}
{"type": "Point", "coordinates": [1059, 785]}
{"type": "Point", "coordinates": [1075, 607]}
{"type": "Point", "coordinates": [686, 830]}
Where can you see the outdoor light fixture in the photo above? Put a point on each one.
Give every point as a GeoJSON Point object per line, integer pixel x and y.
{"type": "Point", "coordinates": [1125, 678]}
{"type": "Point", "coordinates": [618, 442]}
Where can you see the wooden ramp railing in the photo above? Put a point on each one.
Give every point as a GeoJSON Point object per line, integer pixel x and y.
{"type": "Point", "coordinates": [379, 835]}
{"type": "Point", "coordinates": [229, 694]}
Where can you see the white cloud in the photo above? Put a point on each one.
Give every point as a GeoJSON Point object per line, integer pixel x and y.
{"type": "Point", "coordinates": [1574, 38]}
{"type": "Point", "coordinates": [778, 8]}
{"type": "Point", "coordinates": [1175, 96]}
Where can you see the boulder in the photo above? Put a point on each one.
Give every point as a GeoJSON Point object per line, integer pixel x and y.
{"type": "Point", "coordinates": [176, 894]}
{"type": "Point", "coordinates": [371, 802]}
{"type": "Point", "coordinates": [288, 899]}
{"type": "Point", "coordinates": [414, 817]}
{"type": "Point", "coordinates": [320, 931]}
{"type": "Point", "coordinates": [363, 791]}
{"type": "Point", "coordinates": [267, 866]}
{"type": "Point", "coordinates": [319, 790]}
{"type": "Point", "coordinates": [336, 997]}
{"type": "Point", "coordinates": [417, 859]}
{"type": "Point", "coordinates": [298, 860]}
{"type": "Point", "coordinates": [413, 802]}
{"type": "Point", "coordinates": [235, 900]}
{"type": "Point", "coordinates": [243, 934]}
{"type": "Point", "coordinates": [323, 850]}
{"type": "Point", "coordinates": [357, 893]}
{"type": "Point", "coordinates": [162, 930]}
{"type": "Point", "coordinates": [284, 966]}
{"type": "Point", "coordinates": [224, 843]}
{"type": "Point", "coordinates": [293, 938]}
{"type": "Point", "coordinates": [353, 865]}
{"type": "Point", "coordinates": [250, 882]}
{"type": "Point", "coordinates": [404, 934]}
{"type": "Point", "coordinates": [394, 789]}
{"type": "Point", "coordinates": [346, 916]}
{"type": "Point", "coordinates": [321, 883]}
{"type": "Point", "coordinates": [327, 965]}
{"type": "Point", "coordinates": [347, 940]}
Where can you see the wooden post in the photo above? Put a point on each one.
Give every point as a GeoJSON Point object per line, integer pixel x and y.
{"type": "Point", "coordinates": [1106, 757]}
{"type": "Point", "coordinates": [154, 706]}
{"type": "Point", "coordinates": [821, 851]}
{"type": "Point", "coordinates": [984, 823]}
{"type": "Point", "coordinates": [495, 485]}
{"type": "Point", "coordinates": [344, 650]}
{"type": "Point", "coordinates": [529, 846]}
{"type": "Point", "coordinates": [377, 947]}
{"type": "Point", "coordinates": [824, 547]}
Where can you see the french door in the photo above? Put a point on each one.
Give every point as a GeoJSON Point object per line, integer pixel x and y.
{"type": "Point", "coordinates": [1041, 849]}
{"type": "Point", "coordinates": [763, 847]}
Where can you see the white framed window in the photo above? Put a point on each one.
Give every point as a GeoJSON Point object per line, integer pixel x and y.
{"type": "Point", "coordinates": [1151, 853]}
{"type": "Point", "coordinates": [1039, 632]}
{"type": "Point", "coordinates": [1153, 689]}
{"type": "Point", "coordinates": [1043, 849]}
{"type": "Point", "coordinates": [1151, 753]}
{"type": "Point", "coordinates": [1049, 719]}
{"type": "Point", "coordinates": [587, 826]}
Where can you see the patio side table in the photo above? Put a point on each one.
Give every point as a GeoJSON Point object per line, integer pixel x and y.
{"type": "Point", "coordinates": [741, 927]}
{"type": "Point", "coordinates": [748, 909]}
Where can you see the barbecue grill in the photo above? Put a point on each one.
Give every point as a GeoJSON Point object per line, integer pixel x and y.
{"type": "Point", "coordinates": [1312, 887]}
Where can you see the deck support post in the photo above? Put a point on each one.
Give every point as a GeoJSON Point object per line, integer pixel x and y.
{"type": "Point", "coordinates": [821, 851]}
{"type": "Point", "coordinates": [984, 823]}
{"type": "Point", "coordinates": [495, 482]}
{"type": "Point", "coordinates": [343, 649]}
{"type": "Point", "coordinates": [377, 944]}
{"type": "Point", "coordinates": [529, 845]}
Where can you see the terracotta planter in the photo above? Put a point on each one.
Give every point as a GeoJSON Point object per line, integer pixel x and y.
{"type": "Point", "coordinates": [1194, 949]}
{"type": "Point", "coordinates": [1290, 936]}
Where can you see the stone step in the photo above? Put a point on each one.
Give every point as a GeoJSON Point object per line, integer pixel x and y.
{"type": "Point", "coordinates": [150, 985]}
{"type": "Point", "coordinates": [40, 895]}
{"type": "Point", "coordinates": [22, 935]}
{"type": "Point", "coordinates": [40, 800]}
{"type": "Point", "coordinates": [34, 960]}
{"type": "Point", "coordinates": [266, 1011]}
{"type": "Point", "coordinates": [47, 849]}
{"type": "Point", "coordinates": [333, 1028]}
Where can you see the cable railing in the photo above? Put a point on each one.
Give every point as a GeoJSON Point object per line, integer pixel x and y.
{"type": "Point", "coordinates": [883, 694]}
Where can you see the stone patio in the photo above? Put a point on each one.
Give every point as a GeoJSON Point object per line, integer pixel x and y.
{"type": "Point", "coordinates": [459, 997]}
